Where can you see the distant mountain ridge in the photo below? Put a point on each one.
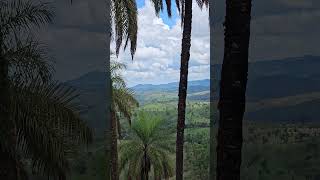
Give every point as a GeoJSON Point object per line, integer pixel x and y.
{"type": "Point", "coordinates": [205, 83]}
{"type": "Point", "coordinates": [266, 79]}
{"type": "Point", "coordinates": [296, 69]}
{"type": "Point", "coordinates": [286, 78]}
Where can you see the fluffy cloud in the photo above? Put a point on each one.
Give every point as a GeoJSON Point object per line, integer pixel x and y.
{"type": "Point", "coordinates": [157, 59]}
{"type": "Point", "coordinates": [279, 29]}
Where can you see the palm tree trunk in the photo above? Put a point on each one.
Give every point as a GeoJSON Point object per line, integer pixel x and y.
{"type": "Point", "coordinates": [145, 167]}
{"type": "Point", "coordinates": [114, 148]}
{"type": "Point", "coordinates": [183, 84]}
{"type": "Point", "coordinates": [62, 177]}
{"type": "Point", "coordinates": [233, 88]}
{"type": "Point", "coordinates": [108, 93]}
{"type": "Point", "coordinates": [213, 111]}
{"type": "Point", "coordinates": [8, 168]}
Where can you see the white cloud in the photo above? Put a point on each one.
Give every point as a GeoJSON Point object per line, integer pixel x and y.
{"type": "Point", "coordinates": [157, 59]}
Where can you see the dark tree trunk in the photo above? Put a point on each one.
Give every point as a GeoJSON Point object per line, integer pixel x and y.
{"type": "Point", "coordinates": [108, 98]}
{"type": "Point", "coordinates": [233, 88]}
{"type": "Point", "coordinates": [8, 168]}
{"type": "Point", "coordinates": [62, 177]}
{"type": "Point", "coordinates": [183, 84]}
{"type": "Point", "coordinates": [146, 164]}
{"type": "Point", "coordinates": [213, 111]}
{"type": "Point", "coordinates": [114, 148]}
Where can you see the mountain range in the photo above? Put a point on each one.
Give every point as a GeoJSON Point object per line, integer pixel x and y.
{"type": "Point", "coordinates": [278, 90]}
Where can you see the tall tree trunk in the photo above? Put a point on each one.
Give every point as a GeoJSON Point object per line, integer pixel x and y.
{"type": "Point", "coordinates": [233, 88]}
{"type": "Point", "coordinates": [108, 93]}
{"type": "Point", "coordinates": [145, 168]}
{"type": "Point", "coordinates": [8, 168]}
{"type": "Point", "coordinates": [213, 110]}
{"type": "Point", "coordinates": [183, 84]}
{"type": "Point", "coordinates": [114, 148]}
{"type": "Point", "coordinates": [62, 177]}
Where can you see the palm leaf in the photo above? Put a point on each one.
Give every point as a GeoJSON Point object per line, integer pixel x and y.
{"type": "Point", "coordinates": [123, 100]}
{"type": "Point", "coordinates": [28, 60]}
{"type": "Point", "coordinates": [19, 14]}
{"type": "Point", "coordinates": [48, 125]}
{"type": "Point", "coordinates": [145, 139]}
{"type": "Point", "coordinates": [124, 15]}
{"type": "Point", "coordinates": [181, 7]}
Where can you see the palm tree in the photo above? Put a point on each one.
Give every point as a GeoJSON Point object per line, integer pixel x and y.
{"type": "Point", "coordinates": [124, 20]}
{"type": "Point", "coordinates": [148, 149]}
{"type": "Point", "coordinates": [14, 17]}
{"type": "Point", "coordinates": [47, 126]}
{"type": "Point", "coordinates": [233, 88]}
{"type": "Point", "coordinates": [185, 9]}
{"type": "Point", "coordinates": [39, 122]}
{"type": "Point", "coordinates": [123, 17]}
{"type": "Point", "coordinates": [123, 104]}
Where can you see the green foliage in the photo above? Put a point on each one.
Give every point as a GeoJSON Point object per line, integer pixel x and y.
{"type": "Point", "coordinates": [17, 15]}
{"type": "Point", "coordinates": [48, 125]}
{"type": "Point", "coordinates": [147, 149]}
{"type": "Point", "coordinates": [197, 154]}
{"type": "Point", "coordinates": [43, 128]}
{"type": "Point", "coordinates": [26, 57]}
{"type": "Point", "coordinates": [90, 164]}
{"type": "Point", "coordinates": [123, 100]}
{"type": "Point", "coordinates": [124, 17]}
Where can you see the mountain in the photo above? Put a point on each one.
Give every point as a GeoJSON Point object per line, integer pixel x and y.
{"type": "Point", "coordinates": [173, 87]}
{"type": "Point", "coordinates": [269, 83]}
{"type": "Point", "coordinates": [266, 79]}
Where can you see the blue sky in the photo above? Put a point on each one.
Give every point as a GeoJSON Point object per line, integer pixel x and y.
{"type": "Point", "coordinates": [169, 21]}
{"type": "Point", "coordinates": [279, 29]}
{"type": "Point", "coordinates": [157, 59]}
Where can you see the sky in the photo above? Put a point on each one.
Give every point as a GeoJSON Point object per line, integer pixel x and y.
{"type": "Point", "coordinates": [76, 38]}
{"type": "Point", "coordinates": [157, 59]}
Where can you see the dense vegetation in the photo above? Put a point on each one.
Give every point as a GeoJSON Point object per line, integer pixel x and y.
{"type": "Point", "coordinates": [45, 140]}
{"type": "Point", "coordinates": [271, 150]}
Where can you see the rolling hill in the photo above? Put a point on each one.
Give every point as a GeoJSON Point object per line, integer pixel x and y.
{"type": "Point", "coordinates": [278, 90]}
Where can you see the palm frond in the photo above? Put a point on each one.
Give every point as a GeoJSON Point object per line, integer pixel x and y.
{"type": "Point", "coordinates": [115, 66]}
{"type": "Point", "coordinates": [143, 140]}
{"type": "Point", "coordinates": [124, 15]}
{"type": "Point", "coordinates": [202, 3]}
{"type": "Point", "coordinates": [181, 7]}
{"type": "Point", "coordinates": [168, 3]}
{"type": "Point", "coordinates": [161, 162]}
{"type": "Point", "coordinates": [19, 14]}
{"type": "Point", "coordinates": [123, 100]}
{"type": "Point", "coordinates": [158, 6]}
{"type": "Point", "coordinates": [28, 59]}
{"type": "Point", "coordinates": [48, 124]}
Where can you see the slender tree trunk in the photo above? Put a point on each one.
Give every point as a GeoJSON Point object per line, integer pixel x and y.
{"type": "Point", "coordinates": [183, 84]}
{"type": "Point", "coordinates": [8, 168]}
{"type": "Point", "coordinates": [108, 93]}
{"type": "Point", "coordinates": [145, 168]}
{"type": "Point", "coordinates": [62, 177]}
{"type": "Point", "coordinates": [233, 88]}
{"type": "Point", "coordinates": [114, 148]}
{"type": "Point", "coordinates": [213, 110]}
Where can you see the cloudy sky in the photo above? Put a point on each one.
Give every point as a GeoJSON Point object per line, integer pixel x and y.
{"type": "Point", "coordinates": [279, 29]}
{"type": "Point", "coordinates": [157, 59]}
